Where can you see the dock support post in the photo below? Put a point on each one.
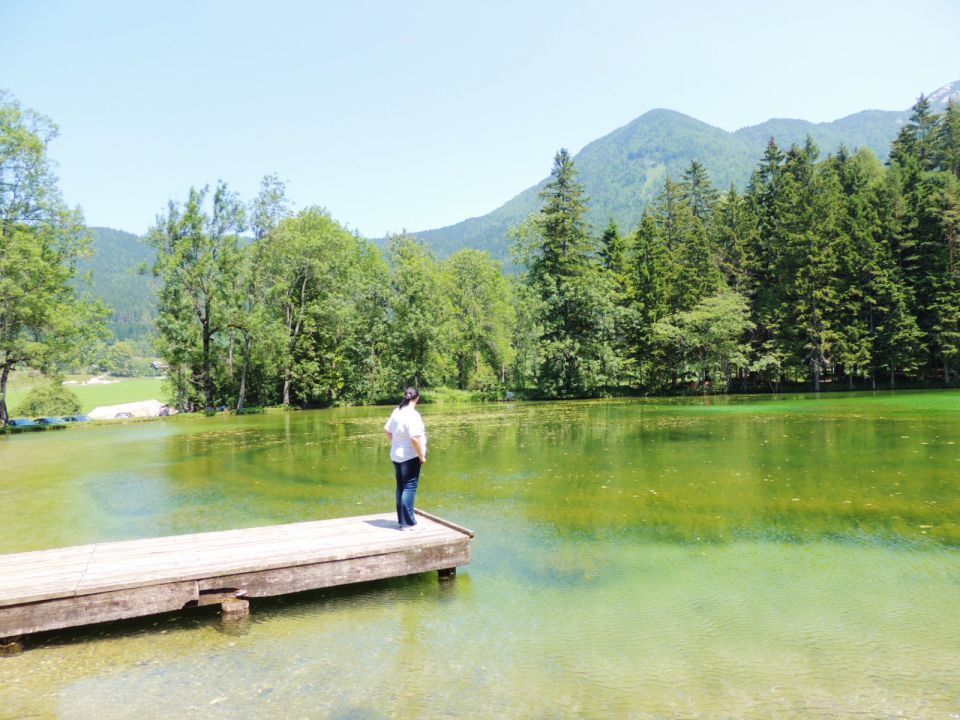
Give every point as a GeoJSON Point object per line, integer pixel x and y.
{"type": "Point", "coordinates": [447, 574]}
{"type": "Point", "coordinates": [235, 608]}
{"type": "Point", "coordinates": [235, 616]}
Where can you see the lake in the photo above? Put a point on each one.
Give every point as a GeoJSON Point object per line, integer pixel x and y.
{"type": "Point", "coordinates": [736, 557]}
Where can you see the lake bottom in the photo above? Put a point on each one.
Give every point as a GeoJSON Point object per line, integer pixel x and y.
{"type": "Point", "coordinates": [566, 628]}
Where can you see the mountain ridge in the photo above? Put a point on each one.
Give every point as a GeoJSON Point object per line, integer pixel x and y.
{"type": "Point", "coordinates": [623, 170]}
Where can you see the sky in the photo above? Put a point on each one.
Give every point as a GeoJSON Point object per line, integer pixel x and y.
{"type": "Point", "coordinates": [414, 115]}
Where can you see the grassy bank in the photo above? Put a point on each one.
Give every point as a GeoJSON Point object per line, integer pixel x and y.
{"type": "Point", "coordinates": [125, 390]}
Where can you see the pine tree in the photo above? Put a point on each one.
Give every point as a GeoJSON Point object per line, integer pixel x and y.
{"type": "Point", "coordinates": [614, 262]}
{"type": "Point", "coordinates": [646, 299]}
{"type": "Point", "coordinates": [791, 261]}
{"type": "Point", "coordinates": [927, 246]}
{"type": "Point", "coordinates": [811, 240]}
{"type": "Point", "coordinates": [899, 340]}
{"type": "Point", "coordinates": [734, 228]}
{"type": "Point", "coordinates": [613, 251]}
{"type": "Point", "coordinates": [862, 275]}
{"type": "Point", "coordinates": [693, 269]}
{"type": "Point", "coordinates": [576, 357]}
{"type": "Point", "coordinates": [699, 192]}
{"type": "Point", "coordinates": [948, 140]}
{"type": "Point", "coordinates": [916, 144]}
{"type": "Point", "coordinates": [762, 275]}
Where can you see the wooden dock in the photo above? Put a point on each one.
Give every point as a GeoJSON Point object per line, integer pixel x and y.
{"type": "Point", "coordinates": [68, 587]}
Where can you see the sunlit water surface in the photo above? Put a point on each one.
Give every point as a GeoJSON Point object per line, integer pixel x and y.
{"type": "Point", "coordinates": [735, 558]}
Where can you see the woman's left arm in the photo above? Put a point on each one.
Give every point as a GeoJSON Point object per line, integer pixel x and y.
{"type": "Point", "coordinates": [418, 445]}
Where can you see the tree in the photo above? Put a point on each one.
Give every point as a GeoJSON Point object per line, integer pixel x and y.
{"type": "Point", "coordinates": [734, 228]}
{"type": "Point", "coordinates": [693, 263]}
{"type": "Point", "coordinates": [792, 259]}
{"type": "Point", "coordinates": [613, 254]}
{"type": "Point", "coordinates": [270, 206]}
{"type": "Point", "coordinates": [699, 192]}
{"type": "Point", "coordinates": [948, 140]}
{"type": "Point", "coordinates": [646, 298]}
{"type": "Point", "coordinates": [527, 332]}
{"type": "Point", "coordinates": [916, 144]}
{"type": "Point", "coordinates": [248, 313]}
{"type": "Point", "coordinates": [419, 311]}
{"type": "Point", "coordinates": [198, 257]}
{"type": "Point", "coordinates": [871, 325]}
{"type": "Point", "coordinates": [483, 318]}
{"type": "Point", "coordinates": [42, 320]}
{"type": "Point", "coordinates": [614, 259]}
{"type": "Point", "coordinates": [576, 357]}
{"type": "Point", "coordinates": [709, 338]}
{"type": "Point", "coordinates": [813, 199]}
{"type": "Point", "coordinates": [119, 360]}
{"type": "Point", "coordinates": [945, 256]}
{"type": "Point", "coordinates": [921, 165]}
{"type": "Point", "coordinates": [315, 279]}
{"type": "Point", "coordinates": [367, 349]}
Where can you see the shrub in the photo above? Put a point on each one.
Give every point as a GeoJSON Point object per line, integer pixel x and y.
{"type": "Point", "coordinates": [50, 398]}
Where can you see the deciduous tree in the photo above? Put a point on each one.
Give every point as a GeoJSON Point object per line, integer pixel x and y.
{"type": "Point", "coordinates": [198, 258]}
{"type": "Point", "coordinates": [42, 320]}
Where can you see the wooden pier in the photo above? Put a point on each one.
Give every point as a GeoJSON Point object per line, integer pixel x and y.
{"type": "Point", "coordinates": [68, 587]}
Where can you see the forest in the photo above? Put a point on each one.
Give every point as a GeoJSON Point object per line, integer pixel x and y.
{"type": "Point", "coordinates": [838, 271]}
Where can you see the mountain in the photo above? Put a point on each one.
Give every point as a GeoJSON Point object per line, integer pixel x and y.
{"type": "Point", "coordinates": [939, 98]}
{"type": "Point", "coordinates": [113, 269]}
{"type": "Point", "coordinates": [623, 171]}
{"type": "Point", "coordinates": [874, 129]}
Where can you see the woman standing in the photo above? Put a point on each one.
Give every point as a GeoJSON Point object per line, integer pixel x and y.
{"type": "Point", "coordinates": [408, 451]}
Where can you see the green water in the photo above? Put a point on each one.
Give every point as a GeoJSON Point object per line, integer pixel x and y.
{"type": "Point", "coordinates": [737, 558]}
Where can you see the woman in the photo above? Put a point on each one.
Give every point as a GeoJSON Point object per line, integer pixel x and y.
{"type": "Point", "coordinates": [408, 451]}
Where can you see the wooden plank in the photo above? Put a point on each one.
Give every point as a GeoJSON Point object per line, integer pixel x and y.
{"type": "Point", "coordinates": [42, 574]}
{"type": "Point", "coordinates": [281, 581]}
{"type": "Point", "coordinates": [90, 609]}
{"type": "Point", "coordinates": [114, 566]}
{"type": "Point", "coordinates": [106, 574]}
{"type": "Point", "coordinates": [447, 523]}
{"type": "Point", "coordinates": [50, 589]}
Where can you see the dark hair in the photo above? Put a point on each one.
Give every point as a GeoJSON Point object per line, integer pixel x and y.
{"type": "Point", "coordinates": [411, 393]}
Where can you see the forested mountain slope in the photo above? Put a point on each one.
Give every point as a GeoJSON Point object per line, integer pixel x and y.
{"type": "Point", "coordinates": [114, 276]}
{"type": "Point", "coordinates": [624, 170]}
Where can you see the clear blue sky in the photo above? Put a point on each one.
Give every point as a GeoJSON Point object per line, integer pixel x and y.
{"type": "Point", "coordinates": [414, 115]}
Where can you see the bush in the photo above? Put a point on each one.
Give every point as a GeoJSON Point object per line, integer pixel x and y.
{"type": "Point", "coordinates": [51, 398]}
{"type": "Point", "coordinates": [441, 395]}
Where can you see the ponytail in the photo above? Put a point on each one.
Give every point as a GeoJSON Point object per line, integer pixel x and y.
{"type": "Point", "coordinates": [411, 393]}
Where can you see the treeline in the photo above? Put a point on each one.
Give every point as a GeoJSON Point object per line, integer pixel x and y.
{"type": "Point", "coordinates": [310, 313]}
{"type": "Point", "coordinates": [838, 269]}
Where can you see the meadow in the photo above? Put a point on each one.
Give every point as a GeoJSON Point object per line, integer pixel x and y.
{"type": "Point", "coordinates": [115, 392]}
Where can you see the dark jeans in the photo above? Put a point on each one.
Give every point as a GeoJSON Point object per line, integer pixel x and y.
{"type": "Point", "coordinates": [408, 476]}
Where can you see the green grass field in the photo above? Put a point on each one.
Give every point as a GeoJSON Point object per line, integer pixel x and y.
{"type": "Point", "coordinates": [91, 396]}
